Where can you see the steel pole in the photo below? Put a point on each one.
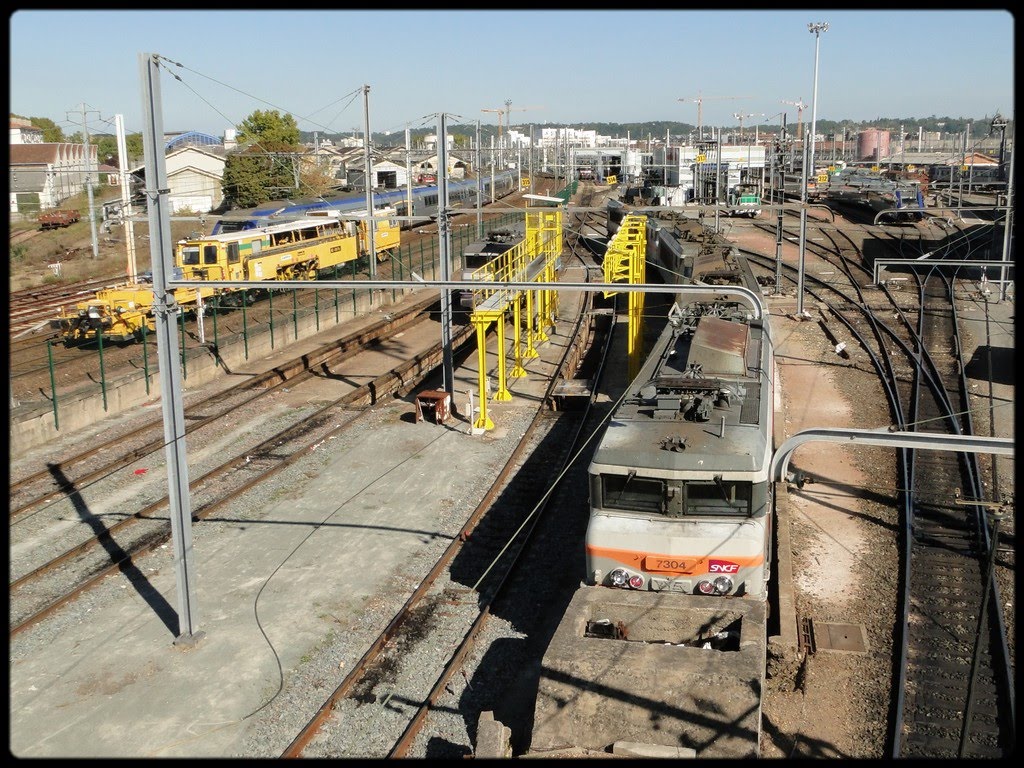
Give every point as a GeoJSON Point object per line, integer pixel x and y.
{"type": "Point", "coordinates": [803, 236]}
{"type": "Point", "coordinates": [165, 310]}
{"type": "Point", "coordinates": [444, 242]}
{"type": "Point", "coordinates": [1007, 228]}
{"type": "Point", "coordinates": [479, 190]}
{"type": "Point", "coordinates": [370, 229]}
{"type": "Point", "coordinates": [126, 199]}
{"type": "Point", "coordinates": [817, 29]}
{"type": "Point", "coordinates": [408, 172]}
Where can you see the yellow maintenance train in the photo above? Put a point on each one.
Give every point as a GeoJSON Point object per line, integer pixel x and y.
{"type": "Point", "coordinates": [300, 249]}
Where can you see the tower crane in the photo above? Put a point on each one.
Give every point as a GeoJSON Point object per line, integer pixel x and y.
{"type": "Point", "coordinates": [800, 106]}
{"type": "Point", "coordinates": [699, 100]}
{"type": "Point", "coordinates": [507, 111]}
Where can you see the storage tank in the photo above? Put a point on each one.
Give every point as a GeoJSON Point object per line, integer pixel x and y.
{"type": "Point", "coordinates": [872, 144]}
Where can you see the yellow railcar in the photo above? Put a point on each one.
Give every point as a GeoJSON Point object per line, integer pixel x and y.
{"type": "Point", "coordinates": [121, 313]}
{"type": "Point", "coordinates": [299, 249]}
{"type": "Point", "coordinates": [291, 250]}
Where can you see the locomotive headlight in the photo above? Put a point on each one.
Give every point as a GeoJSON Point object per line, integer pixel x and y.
{"type": "Point", "coordinates": [636, 581]}
{"type": "Point", "coordinates": [618, 577]}
{"type": "Point", "coordinates": [705, 587]}
{"type": "Point", "coordinates": [723, 585]}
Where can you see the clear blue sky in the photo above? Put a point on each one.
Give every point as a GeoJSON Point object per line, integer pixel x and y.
{"type": "Point", "coordinates": [565, 66]}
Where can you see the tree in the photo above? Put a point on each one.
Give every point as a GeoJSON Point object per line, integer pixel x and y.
{"type": "Point", "coordinates": [106, 149]}
{"type": "Point", "coordinates": [315, 178]}
{"type": "Point", "coordinates": [252, 177]}
{"type": "Point", "coordinates": [264, 169]}
{"type": "Point", "coordinates": [269, 129]}
{"type": "Point", "coordinates": [133, 145]}
{"type": "Point", "coordinates": [52, 133]}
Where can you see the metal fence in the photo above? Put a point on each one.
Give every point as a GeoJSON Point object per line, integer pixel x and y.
{"type": "Point", "coordinates": [217, 325]}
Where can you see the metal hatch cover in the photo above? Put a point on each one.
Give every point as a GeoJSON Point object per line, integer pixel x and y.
{"type": "Point", "coordinates": [849, 638]}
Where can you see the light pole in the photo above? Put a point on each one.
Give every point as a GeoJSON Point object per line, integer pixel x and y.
{"type": "Point", "coordinates": [816, 28]}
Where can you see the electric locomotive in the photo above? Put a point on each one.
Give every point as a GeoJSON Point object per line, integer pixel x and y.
{"type": "Point", "coordinates": [680, 494]}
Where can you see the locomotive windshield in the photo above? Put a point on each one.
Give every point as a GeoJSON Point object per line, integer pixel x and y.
{"type": "Point", "coordinates": [675, 498]}
{"type": "Point", "coordinates": [633, 493]}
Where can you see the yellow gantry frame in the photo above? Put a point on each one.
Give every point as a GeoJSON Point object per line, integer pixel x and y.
{"type": "Point", "coordinates": [532, 260]}
{"type": "Point", "coordinates": [625, 261]}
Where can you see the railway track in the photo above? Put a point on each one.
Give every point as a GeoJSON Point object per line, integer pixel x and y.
{"type": "Point", "coordinates": [71, 474]}
{"type": "Point", "coordinates": [493, 555]}
{"type": "Point", "coordinates": [418, 722]}
{"type": "Point", "coordinates": [113, 546]}
{"type": "Point", "coordinates": [946, 542]}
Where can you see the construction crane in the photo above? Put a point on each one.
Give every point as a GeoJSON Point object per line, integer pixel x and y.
{"type": "Point", "coordinates": [700, 103]}
{"type": "Point", "coordinates": [500, 112]}
{"type": "Point", "coordinates": [507, 111]}
{"type": "Point", "coordinates": [800, 106]}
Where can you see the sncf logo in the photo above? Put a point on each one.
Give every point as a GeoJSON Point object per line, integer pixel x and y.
{"type": "Point", "coordinates": [722, 566]}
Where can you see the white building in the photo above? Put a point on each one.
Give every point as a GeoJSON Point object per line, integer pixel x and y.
{"type": "Point", "coordinates": [686, 167]}
{"type": "Point", "coordinates": [44, 175]}
{"type": "Point", "coordinates": [23, 132]}
{"type": "Point", "coordinates": [575, 137]}
{"type": "Point", "coordinates": [194, 175]}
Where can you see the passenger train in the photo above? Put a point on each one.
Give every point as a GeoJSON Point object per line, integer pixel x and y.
{"type": "Point", "coordinates": [680, 493]}
{"type": "Point", "coordinates": [461, 192]}
{"type": "Point", "coordinates": [977, 178]}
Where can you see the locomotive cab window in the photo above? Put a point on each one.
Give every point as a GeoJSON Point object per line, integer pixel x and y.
{"type": "Point", "coordinates": [632, 493]}
{"type": "Point", "coordinates": [190, 255]}
{"type": "Point", "coordinates": [209, 254]}
{"type": "Point", "coordinates": [719, 497]}
{"type": "Point", "coordinates": [233, 253]}
{"type": "Point", "coordinates": [674, 499]}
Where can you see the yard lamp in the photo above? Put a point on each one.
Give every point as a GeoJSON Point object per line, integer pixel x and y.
{"type": "Point", "coordinates": [815, 28]}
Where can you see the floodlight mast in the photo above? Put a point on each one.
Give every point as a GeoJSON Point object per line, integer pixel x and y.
{"type": "Point", "coordinates": [815, 28]}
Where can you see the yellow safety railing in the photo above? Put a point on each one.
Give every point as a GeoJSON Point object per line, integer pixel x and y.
{"type": "Point", "coordinates": [532, 260]}
{"type": "Point", "coordinates": [625, 262]}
